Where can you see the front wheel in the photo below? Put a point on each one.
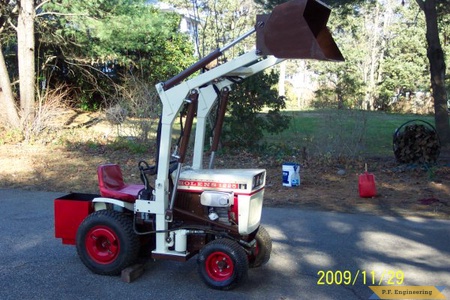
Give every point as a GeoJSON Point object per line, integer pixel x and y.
{"type": "Point", "coordinates": [222, 264]}
{"type": "Point", "coordinates": [106, 242]}
{"type": "Point", "coordinates": [262, 250]}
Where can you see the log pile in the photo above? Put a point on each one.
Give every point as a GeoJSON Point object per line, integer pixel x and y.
{"type": "Point", "coordinates": [416, 143]}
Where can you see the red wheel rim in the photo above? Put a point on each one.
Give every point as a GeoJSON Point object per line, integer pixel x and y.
{"type": "Point", "coordinates": [102, 244]}
{"type": "Point", "coordinates": [219, 266]}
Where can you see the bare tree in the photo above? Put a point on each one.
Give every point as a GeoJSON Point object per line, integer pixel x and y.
{"type": "Point", "coordinates": [24, 27]}
{"type": "Point", "coordinates": [25, 52]}
{"type": "Point", "coordinates": [9, 111]}
{"type": "Point", "coordinates": [437, 69]}
{"type": "Point", "coordinates": [6, 95]}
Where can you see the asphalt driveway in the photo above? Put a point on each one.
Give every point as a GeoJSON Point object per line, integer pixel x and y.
{"type": "Point", "coordinates": [306, 245]}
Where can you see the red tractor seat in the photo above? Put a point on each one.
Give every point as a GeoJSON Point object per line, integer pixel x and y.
{"type": "Point", "coordinates": [110, 182]}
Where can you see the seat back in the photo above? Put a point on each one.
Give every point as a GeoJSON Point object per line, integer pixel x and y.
{"type": "Point", "coordinates": [111, 184]}
{"type": "Point", "coordinates": [110, 177]}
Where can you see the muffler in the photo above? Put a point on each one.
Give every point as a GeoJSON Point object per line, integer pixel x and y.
{"type": "Point", "coordinates": [297, 29]}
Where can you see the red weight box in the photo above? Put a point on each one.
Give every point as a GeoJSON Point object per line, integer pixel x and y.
{"type": "Point", "coordinates": [70, 211]}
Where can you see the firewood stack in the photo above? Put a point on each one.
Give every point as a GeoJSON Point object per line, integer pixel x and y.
{"type": "Point", "coordinates": [416, 143]}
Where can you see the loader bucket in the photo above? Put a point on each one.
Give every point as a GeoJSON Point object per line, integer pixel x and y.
{"type": "Point", "coordinates": [297, 29]}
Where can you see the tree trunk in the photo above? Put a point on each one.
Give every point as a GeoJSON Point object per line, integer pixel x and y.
{"type": "Point", "coordinates": [374, 54]}
{"type": "Point", "coordinates": [437, 70]}
{"type": "Point", "coordinates": [25, 52]}
{"type": "Point", "coordinates": [282, 79]}
{"type": "Point", "coordinates": [9, 110]}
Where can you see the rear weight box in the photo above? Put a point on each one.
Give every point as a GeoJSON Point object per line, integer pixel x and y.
{"type": "Point", "coordinates": [70, 211]}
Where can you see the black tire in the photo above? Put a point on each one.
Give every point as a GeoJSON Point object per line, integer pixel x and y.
{"type": "Point", "coordinates": [223, 264]}
{"type": "Point", "coordinates": [106, 242]}
{"type": "Point", "coordinates": [262, 250]}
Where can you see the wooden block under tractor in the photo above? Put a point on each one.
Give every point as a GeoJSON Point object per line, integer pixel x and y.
{"type": "Point", "coordinates": [132, 273]}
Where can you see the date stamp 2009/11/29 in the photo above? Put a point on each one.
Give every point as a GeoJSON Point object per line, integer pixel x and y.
{"type": "Point", "coordinates": [347, 277]}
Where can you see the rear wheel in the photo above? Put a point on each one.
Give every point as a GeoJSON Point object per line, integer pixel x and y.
{"type": "Point", "coordinates": [262, 250]}
{"type": "Point", "coordinates": [106, 242]}
{"type": "Point", "coordinates": [222, 264]}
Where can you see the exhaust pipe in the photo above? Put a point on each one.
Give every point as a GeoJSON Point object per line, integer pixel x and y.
{"type": "Point", "coordinates": [297, 29]}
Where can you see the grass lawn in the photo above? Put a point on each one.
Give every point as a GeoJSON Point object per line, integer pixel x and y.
{"type": "Point", "coordinates": [346, 133]}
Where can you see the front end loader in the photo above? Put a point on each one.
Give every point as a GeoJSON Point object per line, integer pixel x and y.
{"type": "Point", "coordinates": [188, 210]}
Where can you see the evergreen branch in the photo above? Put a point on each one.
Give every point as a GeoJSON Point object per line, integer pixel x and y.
{"type": "Point", "coordinates": [54, 13]}
{"type": "Point", "coordinates": [41, 4]}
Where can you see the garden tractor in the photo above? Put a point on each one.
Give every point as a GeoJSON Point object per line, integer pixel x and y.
{"type": "Point", "coordinates": [184, 210]}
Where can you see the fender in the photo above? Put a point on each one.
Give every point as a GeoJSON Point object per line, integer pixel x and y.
{"type": "Point", "coordinates": [100, 203]}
